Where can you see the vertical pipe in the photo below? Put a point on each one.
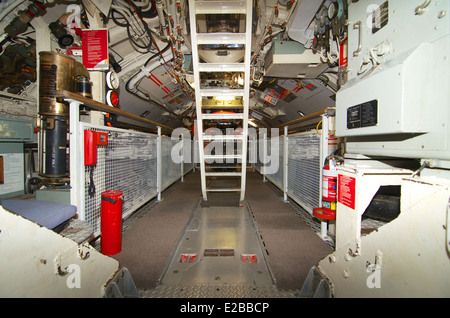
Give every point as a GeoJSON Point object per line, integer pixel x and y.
{"type": "Point", "coordinates": [182, 158]}
{"type": "Point", "coordinates": [247, 64]}
{"type": "Point", "coordinates": [285, 163]}
{"type": "Point", "coordinates": [159, 164]}
{"type": "Point", "coordinates": [41, 143]}
{"type": "Point", "coordinates": [198, 98]}
{"type": "Point", "coordinates": [323, 155]}
{"type": "Point", "coordinates": [76, 153]}
{"type": "Point", "coordinates": [43, 43]}
{"type": "Point", "coordinates": [55, 146]}
{"type": "Point", "coordinates": [323, 229]}
{"type": "Point", "coordinates": [162, 21]}
{"type": "Point", "coordinates": [264, 160]}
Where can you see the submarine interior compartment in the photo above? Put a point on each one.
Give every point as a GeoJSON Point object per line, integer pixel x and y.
{"type": "Point", "coordinates": [224, 149]}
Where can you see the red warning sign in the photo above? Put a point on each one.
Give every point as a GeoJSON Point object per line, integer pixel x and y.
{"type": "Point", "coordinates": [95, 49]}
{"type": "Point", "coordinates": [187, 258]}
{"type": "Point", "coordinates": [249, 258]}
{"type": "Point", "coordinates": [346, 190]}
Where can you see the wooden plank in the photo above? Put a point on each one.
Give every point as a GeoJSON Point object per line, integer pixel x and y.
{"type": "Point", "coordinates": [67, 96]}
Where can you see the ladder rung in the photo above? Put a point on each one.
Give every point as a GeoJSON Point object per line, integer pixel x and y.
{"type": "Point", "coordinates": [220, 7]}
{"type": "Point", "coordinates": [222, 116]}
{"type": "Point", "coordinates": [216, 166]}
{"type": "Point", "coordinates": [223, 157]}
{"type": "Point", "coordinates": [221, 67]}
{"type": "Point", "coordinates": [222, 137]}
{"type": "Point", "coordinates": [223, 174]}
{"type": "Point", "coordinates": [223, 189]}
{"type": "Point", "coordinates": [218, 92]}
{"type": "Point", "coordinates": [221, 38]}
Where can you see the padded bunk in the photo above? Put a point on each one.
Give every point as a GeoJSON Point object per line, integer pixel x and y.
{"type": "Point", "coordinates": [44, 213]}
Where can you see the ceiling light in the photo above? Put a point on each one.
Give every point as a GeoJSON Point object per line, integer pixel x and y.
{"type": "Point", "coordinates": [253, 124]}
{"type": "Point", "coordinates": [224, 98]}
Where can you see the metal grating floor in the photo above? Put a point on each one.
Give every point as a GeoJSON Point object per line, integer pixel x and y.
{"type": "Point", "coordinates": [220, 255]}
{"type": "Point", "coordinates": [216, 291]}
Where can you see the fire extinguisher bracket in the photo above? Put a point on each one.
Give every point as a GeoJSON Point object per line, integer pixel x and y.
{"type": "Point", "coordinates": [318, 212]}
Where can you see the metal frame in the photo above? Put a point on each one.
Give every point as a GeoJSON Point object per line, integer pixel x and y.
{"type": "Point", "coordinates": [159, 166]}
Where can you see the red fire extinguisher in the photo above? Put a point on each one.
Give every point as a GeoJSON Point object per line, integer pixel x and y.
{"type": "Point", "coordinates": [111, 222]}
{"type": "Point", "coordinates": [329, 197]}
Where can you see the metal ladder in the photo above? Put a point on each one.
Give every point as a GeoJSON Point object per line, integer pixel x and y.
{"type": "Point", "coordinates": [243, 7]}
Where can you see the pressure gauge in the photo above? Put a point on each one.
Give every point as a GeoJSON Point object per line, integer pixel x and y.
{"type": "Point", "coordinates": [112, 98]}
{"type": "Point", "coordinates": [112, 80]}
{"type": "Point", "coordinates": [332, 11]}
{"type": "Point", "coordinates": [335, 10]}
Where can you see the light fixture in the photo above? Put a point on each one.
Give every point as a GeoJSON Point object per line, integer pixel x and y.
{"type": "Point", "coordinates": [240, 80]}
{"type": "Point", "coordinates": [224, 98]}
{"type": "Point", "coordinates": [301, 114]}
{"type": "Point", "coordinates": [253, 124]}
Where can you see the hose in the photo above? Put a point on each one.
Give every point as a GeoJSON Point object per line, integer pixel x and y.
{"type": "Point", "coordinates": [135, 25]}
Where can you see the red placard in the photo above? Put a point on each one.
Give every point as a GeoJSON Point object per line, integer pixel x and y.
{"type": "Point", "coordinates": [343, 53]}
{"type": "Point", "coordinates": [346, 190]}
{"type": "Point", "coordinates": [95, 49]}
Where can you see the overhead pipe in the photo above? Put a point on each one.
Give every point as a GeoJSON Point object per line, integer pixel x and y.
{"type": "Point", "coordinates": [146, 70]}
{"type": "Point", "coordinates": [10, 8]}
{"type": "Point", "coordinates": [144, 4]}
{"type": "Point", "coordinates": [20, 23]}
{"type": "Point", "coordinates": [162, 20]}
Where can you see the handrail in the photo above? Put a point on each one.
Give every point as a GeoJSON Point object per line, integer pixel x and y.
{"type": "Point", "coordinates": [66, 95]}
{"type": "Point", "coordinates": [313, 115]}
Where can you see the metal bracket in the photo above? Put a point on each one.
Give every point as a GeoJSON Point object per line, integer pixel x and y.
{"type": "Point", "coordinates": [121, 286]}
